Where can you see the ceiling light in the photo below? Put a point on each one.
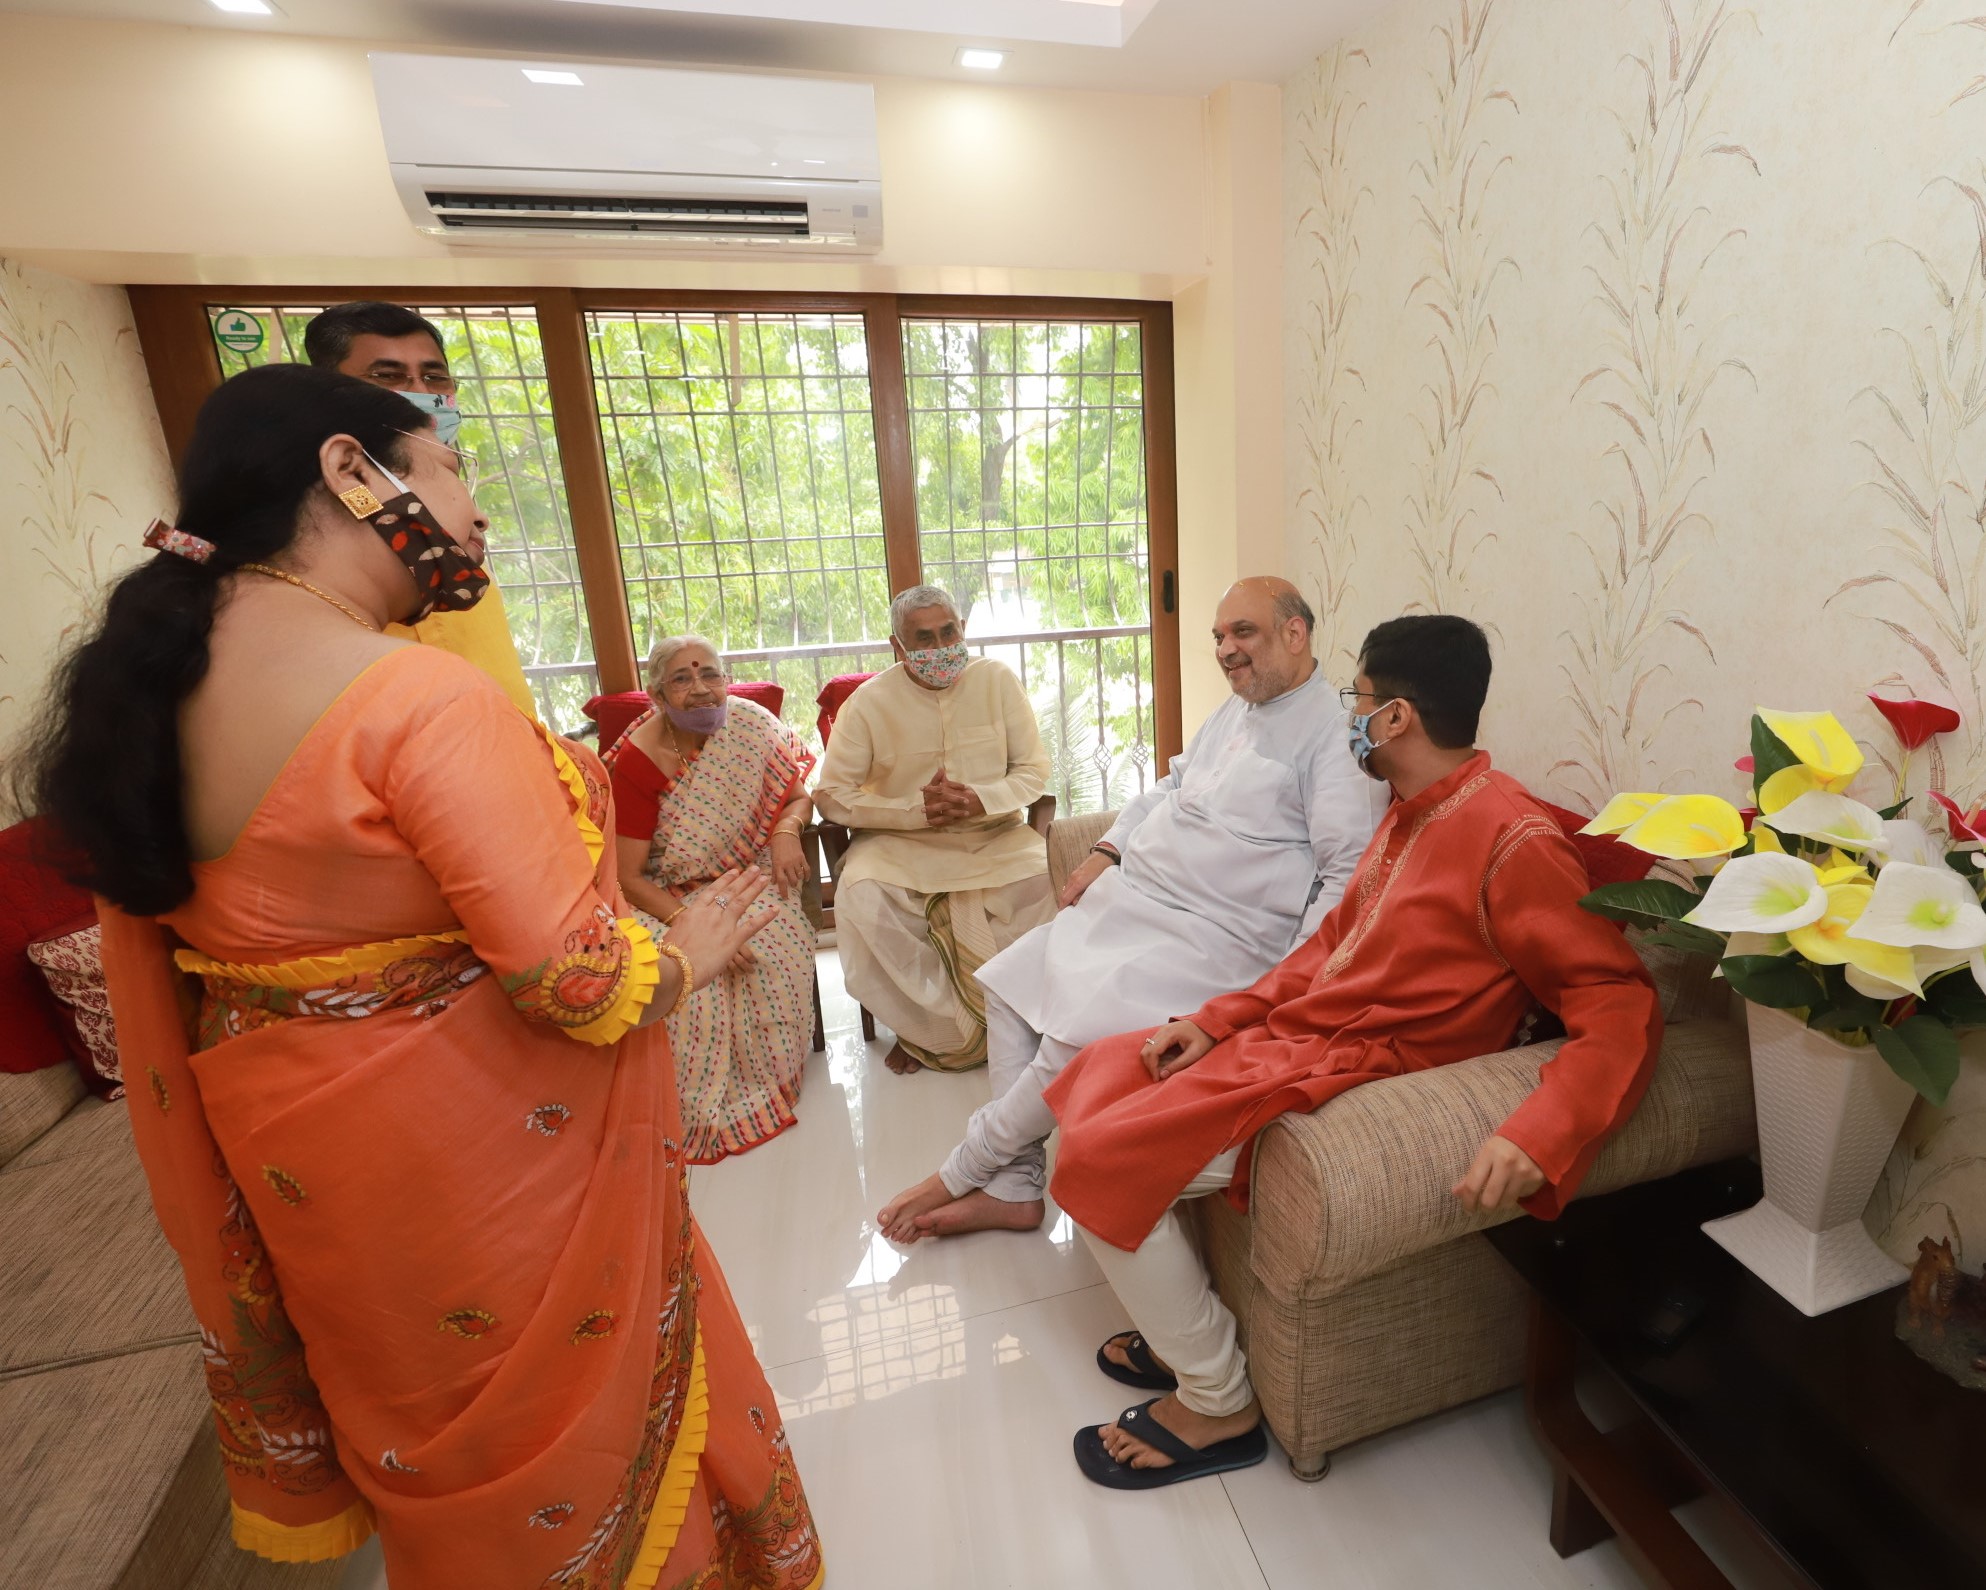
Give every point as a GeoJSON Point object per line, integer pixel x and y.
{"type": "Point", "coordinates": [982, 60]}
{"type": "Point", "coordinates": [566, 79]}
{"type": "Point", "coordinates": [247, 8]}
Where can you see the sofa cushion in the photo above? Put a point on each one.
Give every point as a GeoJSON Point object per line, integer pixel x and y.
{"type": "Point", "coordinates": [31, 1102]}
{"type": "Point", "coordinates": [95, 1126]}
{"type": "Point", "coordinates": [90, 1452]}
{"type": "Point", "coordinates": [85, 1270]}
{"type": "Point", "coordinates": [72, 962]}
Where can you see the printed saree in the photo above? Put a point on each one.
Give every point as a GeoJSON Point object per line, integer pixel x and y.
{"type": "Point", "coordinates": [741, 1045]}
{"type": "Point", "coordinates": [426, 1180]}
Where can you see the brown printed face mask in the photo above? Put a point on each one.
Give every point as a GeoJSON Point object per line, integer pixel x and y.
{"type": "Point", "coordinates": [446, 577]}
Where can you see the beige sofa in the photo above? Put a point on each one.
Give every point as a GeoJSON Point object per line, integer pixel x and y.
{"type": "Point", "coordinates": [1365, 1294]}
{"type": "Point", "coordinates": [110, 1475]}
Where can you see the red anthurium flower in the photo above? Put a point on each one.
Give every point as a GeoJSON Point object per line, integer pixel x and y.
{"type": "Point", "coordinates": [1964, 826]}
{"type": "Point", "coordinates": [1748, 815]}
{"type": "Point", "coordinates": [1744, 764]}
{"type": "Point", "coordinates": [1914, 721]}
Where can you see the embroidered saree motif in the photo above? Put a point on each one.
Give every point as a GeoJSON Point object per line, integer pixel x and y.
{"type": "Point", "coordinates": [425, 975]}
{"type": "Point", "coordinates": [267, 1411]}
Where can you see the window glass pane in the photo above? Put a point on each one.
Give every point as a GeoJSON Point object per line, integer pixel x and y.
{"type": "Point", "coordinates": [1028, 440]}
{"type": "Point", "coordinates": [741, 454]}
{"type": "Point", "coordinates": [499, 367]}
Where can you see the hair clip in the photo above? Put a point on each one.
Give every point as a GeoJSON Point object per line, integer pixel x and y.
{"type": "Point", "coordinates": [161, 537]}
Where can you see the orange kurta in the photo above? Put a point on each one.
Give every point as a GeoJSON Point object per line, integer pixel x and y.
{"type": "Point", "coordinates": [1463, 912]}
{"type": "Point", "coordinates": [440, 1251]}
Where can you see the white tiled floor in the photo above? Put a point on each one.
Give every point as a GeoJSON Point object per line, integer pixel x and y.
{"type": "Point", "coordinates": [931, 1394]}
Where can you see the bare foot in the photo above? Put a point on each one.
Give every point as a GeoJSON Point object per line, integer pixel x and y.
{"type": "Point", "coordinates": [1197, 1430]}
{"type": "Point", "coordinates": [902, 1061]}
{"type": "Point", "coordinates": [1119, 1353]}
{"type": "Point", "coordinates": [979, 1210]}
{"type": "Point", "coordinates": [898, 1218]}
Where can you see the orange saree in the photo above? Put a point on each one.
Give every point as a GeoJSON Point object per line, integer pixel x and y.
{"type": "Point", "coordinates": [426, 1180]}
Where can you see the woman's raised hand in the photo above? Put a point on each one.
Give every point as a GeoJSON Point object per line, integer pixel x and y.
{"type": "Point", "coordinates": [714, 927]}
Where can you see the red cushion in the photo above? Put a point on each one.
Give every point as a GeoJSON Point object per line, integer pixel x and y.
{"type": "Point", "coordinates": [833, 694]}
{"type": "Point", "coordinates": [614, 713]}
{"type": "Point", "coordinates": [34, 900]}
{"type": "Point", "coordinates": [1607, 859]}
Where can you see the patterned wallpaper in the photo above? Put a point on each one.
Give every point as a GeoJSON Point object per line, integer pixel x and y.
{"type": "Point", "coordinates": [83, 466]}
{"type": "Point", "coordinates": [1652, 335]}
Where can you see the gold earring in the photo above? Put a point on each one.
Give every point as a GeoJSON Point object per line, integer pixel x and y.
{"type": "Point", "coordinates": [361, 502]}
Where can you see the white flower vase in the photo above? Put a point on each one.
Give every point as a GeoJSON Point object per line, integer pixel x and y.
{"type": "Point", "coordinates": [1827, 1118]}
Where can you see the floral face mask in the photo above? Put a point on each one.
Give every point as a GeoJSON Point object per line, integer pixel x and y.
{"type": "Point", "coordinates": [939, 666]}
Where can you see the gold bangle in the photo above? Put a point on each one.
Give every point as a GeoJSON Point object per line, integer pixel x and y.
{"type": "Point", "coordinates": [675, 953]}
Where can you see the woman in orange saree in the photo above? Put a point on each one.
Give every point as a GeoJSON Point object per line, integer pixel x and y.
{"type": "Point", "coordinates": [405, 1118]}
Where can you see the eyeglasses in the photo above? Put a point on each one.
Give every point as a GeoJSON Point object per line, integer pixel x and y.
{"type": "Point", "coordinates": [709, 678]}
{"type": "Point", "coordinates": [466, 464]}
{"type": "Point", "coordinates": [396, 376]}
{"type": "Point", "coordinates": [1351, 696]}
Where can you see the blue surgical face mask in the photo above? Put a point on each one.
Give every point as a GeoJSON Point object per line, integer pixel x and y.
{"type": "Point", "coordinates": [440, 407]}
{"type": "Point", "coordinates": [1362, 742]}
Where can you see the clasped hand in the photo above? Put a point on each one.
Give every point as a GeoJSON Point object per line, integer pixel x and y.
{"type": "Point", "coordinates": [947, 801]}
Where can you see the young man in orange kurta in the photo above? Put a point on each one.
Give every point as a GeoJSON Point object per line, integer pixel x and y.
{"type": "Point", "coordinates": [1463, 915]}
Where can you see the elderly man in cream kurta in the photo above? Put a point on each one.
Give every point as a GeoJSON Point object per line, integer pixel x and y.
{"type": "Point", "coordinates": [934, 763]}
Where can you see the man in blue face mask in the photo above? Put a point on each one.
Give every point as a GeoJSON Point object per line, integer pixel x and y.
{"type": "Point", "coordinates": [390, 346]}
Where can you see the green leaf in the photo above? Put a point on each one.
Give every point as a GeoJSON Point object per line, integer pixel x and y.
{"type": "Point", "coordinates": [1956, 999]}
{"type": "Point", "coordinates": [1688, 938]}
{"type": "Point", "coordinates": [1889, 814]}
{"type": "Point", "coordinates": [1960, 861]}
{"type": "Point", "coordinates": [1649, 900]}
{"type": "Point", "coordinates": [1776, 981]}
{"type": "Point", "coordinates": [1769, 754]}
{"type": "Point", "coordinates": [1924, 1052]}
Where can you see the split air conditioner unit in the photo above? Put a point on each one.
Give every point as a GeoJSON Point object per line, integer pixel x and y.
{"type": "Point", "coordinates": [507, 152]}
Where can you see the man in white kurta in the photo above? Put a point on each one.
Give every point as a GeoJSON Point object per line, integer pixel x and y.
{"type": "Point", "coordinates": [934, 763]}
{"type": "Point", "coordinates": [1205, 881]}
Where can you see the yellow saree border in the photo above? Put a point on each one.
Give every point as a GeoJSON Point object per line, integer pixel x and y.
{"type": "Point", "coordinates": [315, 971]}
{"type": "Point", "coordinates": [575, 783]}
{"type": "Point", "coordinates": [644, 975]}
{"type": "Point", "coordinates": [334, 1537]}
{"type": "Point", "coordinates": [672, 1497]}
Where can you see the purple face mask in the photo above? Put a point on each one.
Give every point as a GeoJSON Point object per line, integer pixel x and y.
{"type": "Point", "coordinates": [697, 720]}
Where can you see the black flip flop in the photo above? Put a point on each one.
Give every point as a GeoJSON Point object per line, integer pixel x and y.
{"type": "Point", "coordinates": [1188, 1463]}
{"type": "Point", "coordinates": [1143, 1371]}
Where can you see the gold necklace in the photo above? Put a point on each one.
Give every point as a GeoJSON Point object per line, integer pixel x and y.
{"type": "Point", "coordinates": [323, 596]}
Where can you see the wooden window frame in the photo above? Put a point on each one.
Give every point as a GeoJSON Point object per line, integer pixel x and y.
{"type": "Point", "coordinates": [178, 345]}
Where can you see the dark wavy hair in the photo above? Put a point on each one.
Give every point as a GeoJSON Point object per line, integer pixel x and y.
{"type": "Point", "coordinates": [101, 766]}
{"type": "Point", "coordinates": [1438, 661]}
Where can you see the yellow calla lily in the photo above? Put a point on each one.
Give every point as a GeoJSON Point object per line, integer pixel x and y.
{"type": "Point", "coordinates": [1623, 811]}
{"type": "Point", "coordinates": [1828, 941]}
{"type": "Point", "coordinates": [1786, 786]}
{"type": "Point", "coordinates": [1765, 842]}
{"type": "Point", "coordinates": [1688, 828]}
{"type": "Point", "coordinates": [1818, 740]}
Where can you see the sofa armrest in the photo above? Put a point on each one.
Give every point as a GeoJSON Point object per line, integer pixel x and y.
{"type": "Point", "coordinates": [1069, 841]}
{"type": "Point", "coordinates": [1364, 1182]}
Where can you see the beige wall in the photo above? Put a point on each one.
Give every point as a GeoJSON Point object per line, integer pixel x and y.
{"type": "Point", "coordinates": [82, 466]}
{"type": "Point", "coordinates": [1659, 350]}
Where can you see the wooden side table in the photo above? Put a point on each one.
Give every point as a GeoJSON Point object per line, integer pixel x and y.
{"type": "Point", "coordinates": [1858, 1466]}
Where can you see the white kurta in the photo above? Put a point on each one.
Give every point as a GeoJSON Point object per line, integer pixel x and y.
{"type": "Point", "coordinates": [1230, 861]}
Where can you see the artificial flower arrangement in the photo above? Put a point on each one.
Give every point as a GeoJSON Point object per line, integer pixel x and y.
{"type": "Point", "coordinates": [1862, 923]}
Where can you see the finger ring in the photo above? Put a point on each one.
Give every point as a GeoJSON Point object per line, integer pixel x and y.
{"type": "Point", "coordinates": [722, 901]}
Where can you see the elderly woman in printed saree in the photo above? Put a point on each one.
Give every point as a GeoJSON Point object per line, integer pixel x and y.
{"type": "Point", "coordinates": [399, 1079]}
{"type": "Point", "coordinates": [702, 783]}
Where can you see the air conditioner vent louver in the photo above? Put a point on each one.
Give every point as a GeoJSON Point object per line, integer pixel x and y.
{"type": "Point", "coordinates": [663, 217]}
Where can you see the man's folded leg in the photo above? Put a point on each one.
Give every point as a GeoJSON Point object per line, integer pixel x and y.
{"type": "Point", "coordinates": [1211, 1422]}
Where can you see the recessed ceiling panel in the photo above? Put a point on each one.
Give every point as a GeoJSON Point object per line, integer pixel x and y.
{"type": "Point", "coordinates": [1107, 24]}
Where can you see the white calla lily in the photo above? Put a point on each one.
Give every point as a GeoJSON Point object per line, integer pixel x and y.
{"type": "Point", "coordinates": [1906, 840]}
{"type": "Point", "coordinates": [1917, 907]}
{"type": "Point", "coordinates": [1874, 987]}
{"type": "Point", "coordinates": [1765, 893]}
{"type": "Point", "coordinates": [1834, 819]}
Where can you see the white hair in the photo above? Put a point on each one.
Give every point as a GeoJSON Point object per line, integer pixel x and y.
{"type": "Point", "coordinates": [908, 602]}
{"type": "Point", "coordinates": [665, 649]}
